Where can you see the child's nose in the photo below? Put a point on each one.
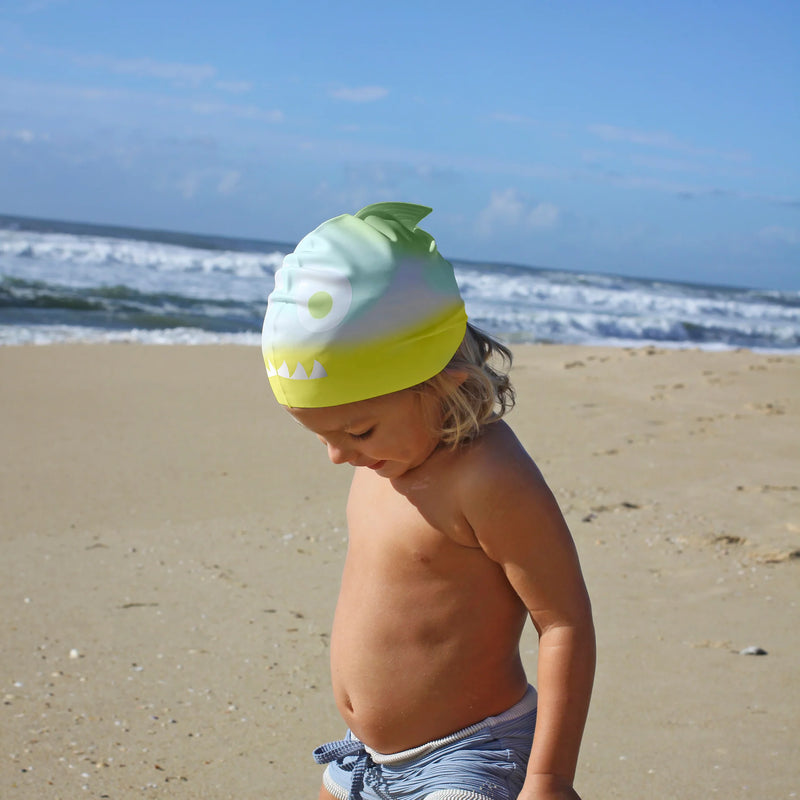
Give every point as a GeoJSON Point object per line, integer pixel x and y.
{"type": "Point", "coordinates": [338, 454]}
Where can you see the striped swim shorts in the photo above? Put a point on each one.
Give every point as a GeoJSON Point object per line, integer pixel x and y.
{"type": "Point", "coordinates": [485, 761]}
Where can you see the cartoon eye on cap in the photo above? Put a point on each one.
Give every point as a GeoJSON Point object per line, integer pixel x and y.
{"type": "Point", "coordinates": [323, 299]}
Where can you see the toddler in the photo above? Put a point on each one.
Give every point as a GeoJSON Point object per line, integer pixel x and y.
{"type": "Point", "coordinates": [454, 537]}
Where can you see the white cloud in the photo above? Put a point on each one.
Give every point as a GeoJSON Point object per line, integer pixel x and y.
{"type": "Point", "coordinates": [518, 119]}
{"type": "Point", "coordinates": [511, 119]}
{"type": "Point", "coordinates": [399, 176]}
{"type": "Point", "coordinates": [667, 164]}
{"type": "Point", "coordinates": [189, 184]}
{"type": "Point", "coordinates": [179, 73]}
{"type": "Point", "coordinates": [228, 182]}
{"type": "Point", "coordinates": [240, 111]}
{"type": "Point", "coordinates": [777, 234]}
{"type": "Point", "coordinates": [234, 87]}
{"type": "Point", "coordinates": [613, 133]}
{"type": "Point", "coordinates": [543, 215]}
{"type": "Point", "coordinates": [508, 210]}
{"type": "Point", "coordinates": [34, 6]}
{"type": "Point", "coordinates": [197, 182]}
{"type": "Point", "coordinates": [662, 139]}
{"type": "Point", "coordinates": [149, 68]}
{"type": "Point", "coordinates": [359, 94]}
{"type": "Point", "coordinates": [22, 135]}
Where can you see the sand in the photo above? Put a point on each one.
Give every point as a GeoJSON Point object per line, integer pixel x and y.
{"type": "Point", "coordinates": [172, 544]}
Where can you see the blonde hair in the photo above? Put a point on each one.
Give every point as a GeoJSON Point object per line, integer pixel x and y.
{"type": "Point", "coordinates": [471, 391]}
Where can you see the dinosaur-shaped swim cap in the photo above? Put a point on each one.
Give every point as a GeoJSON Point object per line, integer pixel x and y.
{"type": "Point", "coordinates": [364, 306]}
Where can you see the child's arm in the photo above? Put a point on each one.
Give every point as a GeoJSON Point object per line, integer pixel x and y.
{"type": "Point", "coordinates": [519, 525]}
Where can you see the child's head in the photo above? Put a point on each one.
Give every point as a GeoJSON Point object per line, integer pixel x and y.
{"type": "Point", "coordinates": [366, 306]}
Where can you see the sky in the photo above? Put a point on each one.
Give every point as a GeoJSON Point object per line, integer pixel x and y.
{"type": "Point", "coordinates": [658, 140]}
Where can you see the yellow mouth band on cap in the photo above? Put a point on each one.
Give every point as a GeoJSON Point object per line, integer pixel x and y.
{"type": "Point", "coordinates": [364, 306]}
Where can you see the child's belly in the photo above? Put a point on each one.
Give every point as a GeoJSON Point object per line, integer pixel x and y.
{"type": "Point", "coordinates": [415, 656]}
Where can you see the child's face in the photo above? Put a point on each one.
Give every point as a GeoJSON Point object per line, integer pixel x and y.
{"type": "Point", "coordinates": [391, 434]}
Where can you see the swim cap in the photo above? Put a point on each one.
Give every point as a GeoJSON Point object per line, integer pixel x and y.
{"type": "Point", "coordinates": [364, 306]}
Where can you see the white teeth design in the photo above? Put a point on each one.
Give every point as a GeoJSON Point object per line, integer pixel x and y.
{"type": "Point", "coordinates": [317, 371]}
{"type": "Point", "coordinates": [300, 374]}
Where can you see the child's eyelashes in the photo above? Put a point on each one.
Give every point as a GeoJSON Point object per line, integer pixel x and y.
{"type": "Point", "coordinates": [364, 435]}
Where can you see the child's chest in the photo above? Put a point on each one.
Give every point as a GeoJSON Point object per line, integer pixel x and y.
{"type": "Point", "coordinates": [423, 525]}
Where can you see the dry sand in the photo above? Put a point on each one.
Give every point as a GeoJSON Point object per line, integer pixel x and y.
{"type": "Point", "coordinates": [172, 543]}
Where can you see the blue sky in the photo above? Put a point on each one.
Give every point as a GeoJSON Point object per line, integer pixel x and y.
{"type": "Point", "coordinates": [657, 140]}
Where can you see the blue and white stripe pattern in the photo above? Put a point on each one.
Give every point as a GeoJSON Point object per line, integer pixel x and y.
{"type": "Point", "coordinates": [485, 761]}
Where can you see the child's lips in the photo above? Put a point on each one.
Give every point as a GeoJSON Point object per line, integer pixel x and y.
{"type": "Point", "coordinates": [377, 465]}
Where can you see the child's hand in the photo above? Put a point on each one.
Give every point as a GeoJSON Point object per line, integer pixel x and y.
{"type": "Point", "coordinates": [547, 787]}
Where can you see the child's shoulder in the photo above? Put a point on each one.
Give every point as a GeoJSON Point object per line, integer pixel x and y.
{"type": "Point", "coordinates": [494, 460]}
{"type": "Point", "coordinates": [496, 440]}
{"type": "Point", "coordinates": [503, 496]}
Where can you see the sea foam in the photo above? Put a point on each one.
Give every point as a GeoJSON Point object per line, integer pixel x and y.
{"type": "Point", "coordinates": [61, 282]}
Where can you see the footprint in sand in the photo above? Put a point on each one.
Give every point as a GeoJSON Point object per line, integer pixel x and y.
{"type": "Point", "coordinates": [769, 409]}
{"type": "Point", "coordinates": [766, 487]}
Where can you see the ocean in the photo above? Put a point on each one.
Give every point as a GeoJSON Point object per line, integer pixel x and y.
{"type": "Point", "coordinates": [70, 282]}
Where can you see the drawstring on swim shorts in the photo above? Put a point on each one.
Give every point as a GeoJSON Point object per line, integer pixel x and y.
{"type": "Point", "coordinates": [363, 763]}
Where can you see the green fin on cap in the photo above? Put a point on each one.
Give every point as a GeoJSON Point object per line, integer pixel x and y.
{"type": "Point", "coordinates": [407, 214]}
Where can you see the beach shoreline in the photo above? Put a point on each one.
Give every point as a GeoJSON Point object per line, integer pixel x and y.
{"type": "Point", "coordinates": [172, 550]}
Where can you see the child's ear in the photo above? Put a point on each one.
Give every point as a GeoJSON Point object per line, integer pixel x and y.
{"type": "Point", "coordinates": [456, 374]}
